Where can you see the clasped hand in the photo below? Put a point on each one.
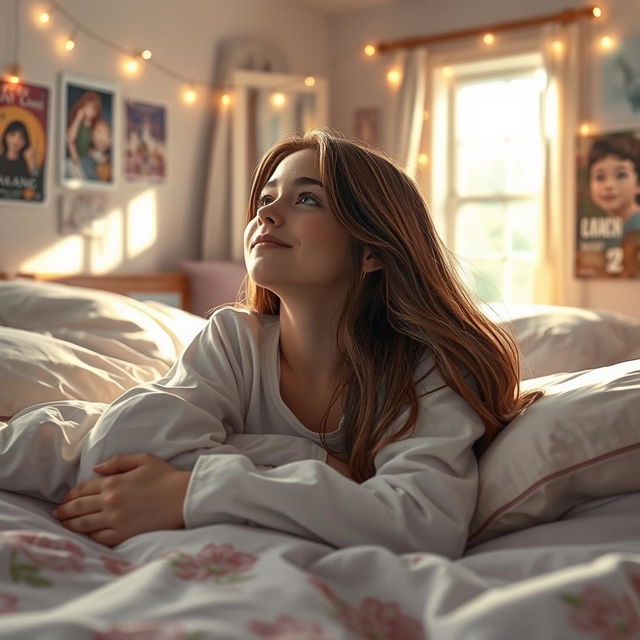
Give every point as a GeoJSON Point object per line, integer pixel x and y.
{"type": "Point", "coordinates": [136, 493]}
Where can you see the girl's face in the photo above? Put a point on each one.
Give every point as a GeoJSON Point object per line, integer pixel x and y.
{"type": "Point", "coordinates": [614, 185]}
{"type": "Point", "coordinates": [309, 249]}
{"type": "Point", "coordinates": [15, 141]}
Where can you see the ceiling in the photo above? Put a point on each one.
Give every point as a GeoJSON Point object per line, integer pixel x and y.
{"type": "Point", "coordinates": [341, 6]}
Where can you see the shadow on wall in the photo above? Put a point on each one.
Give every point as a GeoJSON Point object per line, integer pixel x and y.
{"type": "Point", "coordinates": [103, 243]}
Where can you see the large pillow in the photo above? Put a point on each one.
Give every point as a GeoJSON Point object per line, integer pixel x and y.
{"type": "Point", "coordinates": [37, 368]}
{"type": "Point", "coordinates": [213, 282]}
{"type": "Point", "coordinates": [578, 442]}
{"type": "Point", "coordinates": [105, 322]}
{"type": "Point", "coordinates": [566, 339]}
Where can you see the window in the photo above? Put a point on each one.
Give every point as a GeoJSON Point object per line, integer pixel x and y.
{"type": "Point", "coordinates": [492, 176]}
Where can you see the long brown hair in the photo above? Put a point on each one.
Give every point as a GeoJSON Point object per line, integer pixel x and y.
{"type": "Point", "coordinates": [415, 303]}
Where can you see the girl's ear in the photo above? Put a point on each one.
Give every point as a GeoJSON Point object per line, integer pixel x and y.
{"type": "Point", "coordinates": [371, 262]}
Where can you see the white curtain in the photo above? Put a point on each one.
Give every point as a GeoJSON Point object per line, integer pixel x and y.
{"type": "Point", "coordinates": [555, 283]}
{"type": "Point", "coordinates": [407, 110]}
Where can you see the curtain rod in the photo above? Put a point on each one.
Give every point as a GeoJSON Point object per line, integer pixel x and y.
{"type": "Point", "coordinates": [569, 15]}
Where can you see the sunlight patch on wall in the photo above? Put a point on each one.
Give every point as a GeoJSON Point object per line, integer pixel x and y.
{"type": "Point", "coordinates": [106, 240]}
{"type": "Point", "coordinates": [142, 223]}
{"type": "Point", "coordinates": [65, 256]}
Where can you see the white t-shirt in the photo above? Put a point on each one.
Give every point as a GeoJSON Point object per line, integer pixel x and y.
{"type": "Point", "coordinates": [223, 397]}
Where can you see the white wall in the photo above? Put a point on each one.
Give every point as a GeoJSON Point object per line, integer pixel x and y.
{"type": "Point", "coordinates": [360, 82]}
{"type": "Point", "coordinates": [184, 36]}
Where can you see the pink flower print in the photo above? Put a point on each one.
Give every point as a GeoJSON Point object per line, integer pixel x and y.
{"type": "Point", "coordinates": [598, 611]}
{"type": "Point", "coordinates": [47, 552]}
{"type": "Point", "coordinates": [372, 619]}
{"type": "Point", "coordinates": [142, 631]}
{"type": "Point", "coordinates": [116, 566]}
{"type": "Point", "coordinates": [8, 603]}
{"type": "Point", "coordinates": [288, 628]}
{"type": "Point", "coordinates": [221, 562]}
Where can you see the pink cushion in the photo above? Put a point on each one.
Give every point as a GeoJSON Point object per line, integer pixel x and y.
{"type": "Point", "coordinates": [213, 283]}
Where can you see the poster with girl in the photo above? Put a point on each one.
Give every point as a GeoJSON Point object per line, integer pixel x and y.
{"type": "Point", "coordinates": [608, 220]}
{"type": "Point", "coordinates": [88, 133]}
{"type": "Point", "coordinates": [24, 120]}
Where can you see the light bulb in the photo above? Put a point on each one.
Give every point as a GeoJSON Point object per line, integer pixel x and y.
{"type": "Point", "coordinates": [189, 96]}
{"type": "Point", "coordinates": [146, 54]}
{"type": "Point", "coordinates": [13, 78]}
{"type": "Point", "coordinates": [488, 38]}
{"type": "Point", "coordinates": [585, 129]}
{"type": "Point", "coordinates": [423, 159]}
{"type": "Point", "coordinates": [70, 44]}
{"type": "Point", "coordinates": [44, 17]}
{"type": "Point", "coordinates": [278, 99]}
{"type": "Point", "coordinates": [394, 76]}
{"type": "Point", "coordinates": [557, 46]}
{"type": "Point", "coordinates": [606, 42]}
{"type": "Point", "coordinates": [310, 81]}
{"type": "Point", "coordinates": [225, 99]}
{"type": "Point", "coordinates": [369, 50]}
{"type": "Point", "coordinates": [131, 66]}
{"type": "Point", "coordinates": [597, 12]}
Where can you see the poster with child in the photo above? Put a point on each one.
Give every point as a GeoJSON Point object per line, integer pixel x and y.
{"type": "Point", "coordinates": [24, 116]}
{"type": "Point", "coordinates": [608, 219]}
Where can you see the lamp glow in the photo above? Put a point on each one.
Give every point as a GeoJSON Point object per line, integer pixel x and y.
{"type": "Point", "coordinates": [557, 46]}
{"type": "Point", "coordinates": [394, 76]}
{"type": "Point", "coordinates": [606, 42]}
{"type": "Point", "coordinates": [585, 129]}
{"type": "Point", "coordinates": [131, 66]}
{"type": "Point", "coordinates": [44, 17]}
{"type": "Point", "coordinates": [423, 159]}
{"type": "Point", "coordinates": [597, 12]}
{"type": "Point", "coordinates": [309, 81]}
{"type": "Point", "coordinates": [70, 44]}
{"type": "Point", "coordinates": [369, 50]}
{"type": "Point", "coordinates": [146, 54]}
{"type": "Point", "coordinates": [189, 96]}
{"type": "Point", "coordinates": [278, 99]}
{"type": "Point", "coordinates": [225, 100]}
{"type": "Point", "coordinates": [488, 38]}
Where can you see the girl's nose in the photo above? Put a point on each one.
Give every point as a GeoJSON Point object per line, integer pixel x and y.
{"type": "Point", "coordinates": [270, 214]}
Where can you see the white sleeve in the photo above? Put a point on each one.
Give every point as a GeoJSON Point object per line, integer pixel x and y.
{"type": "Point", "coordinates": [196, 408]}
{"type": "Point", "coordinates": [421, 498]}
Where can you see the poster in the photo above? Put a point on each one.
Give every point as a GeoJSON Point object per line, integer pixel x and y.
{"type": "Point", "coordinates": [146, 142]}
{"type": "Point", "coordinates": [608, 200]}
{"type": "Point", "coordinates": [24, 112]}
{"type": "Point", "coordinates": [88, 133]}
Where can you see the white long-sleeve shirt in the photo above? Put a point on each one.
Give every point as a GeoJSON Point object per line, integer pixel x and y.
{"type": "Point", "coordinates": [223, 397]}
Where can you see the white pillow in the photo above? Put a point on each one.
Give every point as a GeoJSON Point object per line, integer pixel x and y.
{"type": "Point", "coordinates": [580, 441]}
{"type": "Point", "coordinates": [566, 339]}
{"type": "Point", "coordinates": [36, 368]}
{"type": "Point", "coordinates": [109, 323]}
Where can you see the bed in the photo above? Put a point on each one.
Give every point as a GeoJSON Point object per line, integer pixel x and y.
{"type": "Point", "coordinates": [553, 549]}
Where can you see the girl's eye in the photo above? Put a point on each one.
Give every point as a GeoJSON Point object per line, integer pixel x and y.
{"type": "Point", "coordinates": [308, 196]}
{"type": "Point", "coordinates": [263, 200]}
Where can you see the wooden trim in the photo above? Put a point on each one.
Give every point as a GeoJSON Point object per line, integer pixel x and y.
{"type": "Point", "coordinates": [124, 284]}
{"type": "Point", "coordinates": [565, 17]}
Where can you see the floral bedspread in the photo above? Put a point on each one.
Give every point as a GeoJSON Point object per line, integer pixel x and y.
{"type": "Point", "coordinates": [234, 582]}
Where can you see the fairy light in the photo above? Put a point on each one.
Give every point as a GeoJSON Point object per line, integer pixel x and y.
{"type": "Point", "coordinates": [489, 38]}
{"type": "Point", "coordinates": [369, 50]}
{"type": "Point", "coordinates": [70, 43]}
{"type": "Point", "coordinates": [585, 129]}
{"type": "Point", "coordinates": [131, 66]}
{"type": "Point", "coordinates": [146, 54]}
{"type": "Point", "coordinates": [393, 76]}
{"type": "Point", "coordinates": [189, 96]}
{"type": "Point", "coordinates": [606, 42]}
{"type": "Point", "coordinates": [278, 100]}
{"type": "Point", "coordinates": [225, 99]}
{"type": "Point", "coordinates": [309, 81]}
{"type": "Point", "coordinates": [597, 12]}
{"type": "Point", "coordinates": [557, 46]}
{"type": "Point", "coordinates": [13, 76]}
{"type": "Point", "coordinates": [44, 17]}
{"type": "Point", "coordinates": [423, 159]}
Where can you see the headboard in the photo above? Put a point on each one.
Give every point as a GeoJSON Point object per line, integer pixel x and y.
{"type": "Point", "coordinates": [172, 288]}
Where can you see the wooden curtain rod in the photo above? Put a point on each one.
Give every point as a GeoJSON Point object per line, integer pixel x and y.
{"type": "Point", "coordinates": [569, 15]}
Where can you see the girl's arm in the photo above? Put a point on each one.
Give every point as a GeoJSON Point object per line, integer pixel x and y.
{"type": "Point", "coordinates": [421, 498]}
{"type": "Point", "coordinates": [72, 134]}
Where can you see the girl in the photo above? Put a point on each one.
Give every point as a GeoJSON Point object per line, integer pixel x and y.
{"type": "Point", "coordinates": [342, 403]}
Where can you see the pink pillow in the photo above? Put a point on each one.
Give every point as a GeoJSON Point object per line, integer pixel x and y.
{"type": "Point", "coordinates": [213, 283]}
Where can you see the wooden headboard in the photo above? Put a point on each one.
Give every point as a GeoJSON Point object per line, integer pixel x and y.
{"type": "Point", "coordinates": [136, 285]}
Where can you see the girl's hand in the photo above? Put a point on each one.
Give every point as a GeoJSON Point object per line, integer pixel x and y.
{"type": "Point", "coordinates": [139, 493]}
{"type": "Point", "coordinates": [339, 465]}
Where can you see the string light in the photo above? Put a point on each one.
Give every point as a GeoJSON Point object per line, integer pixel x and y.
{"type": "Point", "coordinates": [225, 100]}
{"type": "Point", "coordinates": [488, 38]}
{"type": "Point", "coordinates": [607, 42]}
{"type": "Point", "coordinates": [557, 46]}
{"type": "Point", "coordinates": [309, 81]}
{"type": "Point", "coordinates": [394, 76]}
{"type": "Point", "coordinates": [44, 17]}
{"type": "Point", "coordinates": [189, 96]}
{"type": "Point", "coordinates": [131, 66]}
{"type": "Point", "coordinates": [70, 44]}
{"type": "Point", "coordinates": [13, 75]}
{"type": "Point", "coordinates": [369, 50]}
{"type": "Point", "coordinates": [423, 159]}
{"type": "Point", "coordinates": [278, 99]}
{"type": "Point", "coordinates": [585, 129]}
{"type": "Point", "coordinates": [597, 12]}
{"type": "Point", "coordinates": [146, 54]}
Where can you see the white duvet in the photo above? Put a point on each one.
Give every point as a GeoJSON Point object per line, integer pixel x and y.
{"type": "Point", "coordinates": [577, 576]}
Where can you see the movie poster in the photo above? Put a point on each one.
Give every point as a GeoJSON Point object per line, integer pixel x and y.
{"type": "Point", "coordinates": [608, 220]}
{"type": "Point", "coordinates": [146, 142]}
{"type": "Point", "coordinates": [23, 141]}
{"type": "Point", "coordinates": [89, 133]}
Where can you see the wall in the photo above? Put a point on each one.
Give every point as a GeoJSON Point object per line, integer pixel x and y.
{"type": "Point", "coordinates": [359, 81]}
{"type": "Point", "coordinates": [184, 36]}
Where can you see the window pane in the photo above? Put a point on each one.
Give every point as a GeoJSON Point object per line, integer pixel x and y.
{"type": "Point", "coordinates": [486, 279]}
{"type": "Point", "coordinates": [480, 169]}
{"type": "Point", "coordinates": [478, 113]}
{"type": "Point", "coordinates": [523, 222]}
{"type": "Point", "coordinates": [522, 282]}
{"type": "Point", "coordinates": [480, 229]}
